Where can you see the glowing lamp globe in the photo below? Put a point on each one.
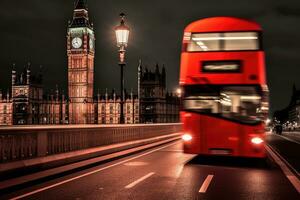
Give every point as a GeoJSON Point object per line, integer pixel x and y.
{"type": "Point", "coordinates": [122, 32]}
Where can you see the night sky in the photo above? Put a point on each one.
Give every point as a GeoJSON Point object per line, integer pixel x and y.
{"type": "Point", "coordinates": [35, 31]}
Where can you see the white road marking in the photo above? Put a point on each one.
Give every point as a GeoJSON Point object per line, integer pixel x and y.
{"type": "Point", "coordinates": [206, 183]}
{"type": "Point", "coordinates": [174, 150]}
{"type": "Point", "coordinates": [136, 164]}
{"type": "Point", "coordinates": [289, 139]}
{"type": "Point", "coordinates": [287, 172]}
{"type": "Point", "coordinates": [134, 183]}
{"type": "Point", "coordinates": [89, 173]}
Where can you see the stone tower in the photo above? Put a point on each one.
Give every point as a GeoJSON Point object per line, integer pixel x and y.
{"type": "Point", "coordinates": [81, 51]}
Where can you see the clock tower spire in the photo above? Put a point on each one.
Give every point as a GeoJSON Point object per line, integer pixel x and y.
{"type": "Point", "coordinates": [80, 51]}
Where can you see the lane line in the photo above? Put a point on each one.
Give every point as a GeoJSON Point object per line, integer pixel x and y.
{"type": "Point", "coordinates": [287, 172]}
{"type": "Point", "coordinates": [134, 183]}
{"type": "Point", "coordinates": [282, 159]}
{"type": "Point", "coordinates": [205, 184]}
{"type": "Point", "coordinates": [289, 139]}
{"type": "Point", "coordinates": [89, 173]}
{"type": "Point", "coordinates": [174, 150]}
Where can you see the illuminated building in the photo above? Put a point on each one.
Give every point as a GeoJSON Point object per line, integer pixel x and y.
{"type": "Point", "coordinates": [108, 108]}
{"type": "Point", "coordinates": [28, 103]}
{"type": "Point", "coordinates": [5, 109]}
{"type": "Point", "coordinates": [80, 50]}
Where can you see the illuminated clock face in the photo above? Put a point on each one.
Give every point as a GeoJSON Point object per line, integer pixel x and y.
{"type": "Point", "coordinates": [91, 43]}
{"type": "Point", "coordinates": [76, 42]}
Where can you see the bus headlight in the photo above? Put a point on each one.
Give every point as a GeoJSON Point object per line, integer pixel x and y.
{"type": "Point", "coordinates": [187, 137]}
{"type": "Point", "coordinates": [257, 140]}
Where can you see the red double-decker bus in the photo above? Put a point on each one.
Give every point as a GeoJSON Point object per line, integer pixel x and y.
{"type": "Point", "coordinates": [224, 90]}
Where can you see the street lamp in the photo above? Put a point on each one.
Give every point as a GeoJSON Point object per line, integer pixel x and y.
{"type": "Point", "coordinates": [122, 34]}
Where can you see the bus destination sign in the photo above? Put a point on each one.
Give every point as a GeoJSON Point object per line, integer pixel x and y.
{"type": "Point", "coordinates": [221, 66]}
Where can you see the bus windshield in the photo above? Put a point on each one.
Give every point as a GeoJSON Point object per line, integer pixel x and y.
{"type": "Point", "coordinates": [238, 103]}
{"type": "Point", "coordinates": [229, 41]}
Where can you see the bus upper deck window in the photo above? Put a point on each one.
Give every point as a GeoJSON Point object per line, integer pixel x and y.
{"type": "Point", "coordinates": [204, 42]}
{"type": "Point", "coordinates": [241, 41]}
{"type": "Point", "coordinates": [228, 41]}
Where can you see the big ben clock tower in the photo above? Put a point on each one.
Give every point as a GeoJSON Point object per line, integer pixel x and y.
{"type": "Point", "coordinates": [81, 51]}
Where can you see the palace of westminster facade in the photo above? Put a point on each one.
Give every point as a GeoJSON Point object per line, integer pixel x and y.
{"type": "Point", "coordinates": [27, 104]}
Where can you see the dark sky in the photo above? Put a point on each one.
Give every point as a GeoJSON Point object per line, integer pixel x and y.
{"type": "Point", "coordinates": [35, 31]}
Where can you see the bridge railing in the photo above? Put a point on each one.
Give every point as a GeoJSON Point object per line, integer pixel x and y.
{"type": "Point", "coordinates": [25, 142]}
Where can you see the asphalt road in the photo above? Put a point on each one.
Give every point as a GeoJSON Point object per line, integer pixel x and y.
{"type": "Point", "coordinates": [288, 146]}
{"type": "Point", "coordinates": [167, 173]}
{"type": "Point", "coordinates": [294, 135]}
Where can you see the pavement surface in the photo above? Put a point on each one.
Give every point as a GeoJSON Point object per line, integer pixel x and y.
{"type": "Point", "coordinates": [288, 147]}
{"type": "Point", "coordinates": [295, 135]}
{"type": "Point", "coordinates": [165, 172]}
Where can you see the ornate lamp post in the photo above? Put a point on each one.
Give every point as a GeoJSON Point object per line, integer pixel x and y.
{"type": "Point", "coordinates": [122, 34]}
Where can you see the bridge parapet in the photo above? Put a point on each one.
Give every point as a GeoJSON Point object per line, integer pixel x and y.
{"type": "Point", "coordinates": [26, 142]}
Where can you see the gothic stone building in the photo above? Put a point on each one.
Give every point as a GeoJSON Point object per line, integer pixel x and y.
{"type": "Point", "coordinates": [292, 112]}
{"type": "Point", "coordinates": [5, 109]}
{"type": "Point", "coordinates": [28, 104]}
{"type": "Point", "coordinates": [157, 105]}
{"type": "Point", "coordinates": [108, 108]}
